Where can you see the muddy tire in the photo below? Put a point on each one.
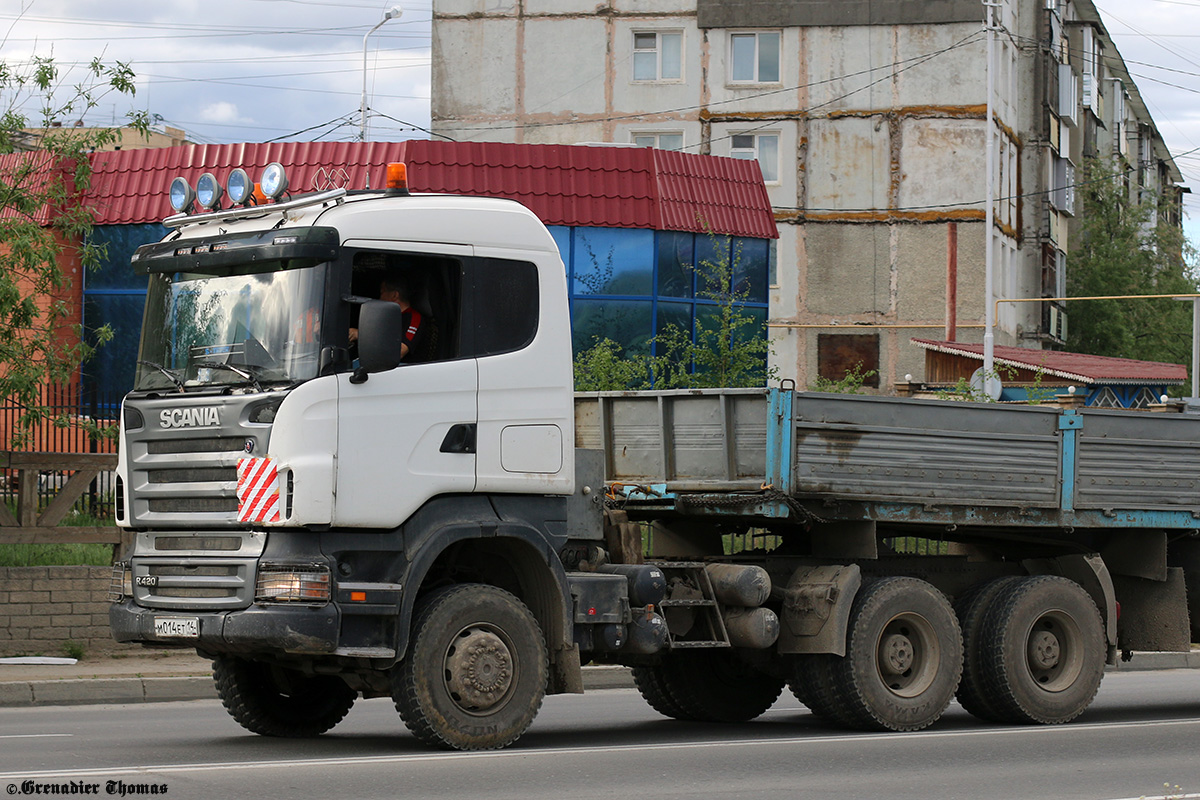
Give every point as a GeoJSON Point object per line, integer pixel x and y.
{"type": "Point", "coordinates": [903, 657]}
{"type": "Point", "coordinates": [1043, 651]}
{"type": "Point", "coordinates": [475, 673]}
{"type": "Point", "coordinates": [972, 607]}
{"type": "Point", "coordinates": [811, 682]}
{"type": "Point", "coordinates": [652, 686]}
{"type": "Point", "coordinates": [272, 701]}
{"type": "Point", "coordinates": [717, 686]}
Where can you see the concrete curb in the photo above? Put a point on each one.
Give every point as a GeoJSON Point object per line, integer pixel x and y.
{"type": "Point", "coordinates": [93, 691]}
{"type": "Point", "coordinates": [90, 691]}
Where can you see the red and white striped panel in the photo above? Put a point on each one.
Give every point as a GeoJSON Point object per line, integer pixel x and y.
{"type": "Point", "coordinates": [258, 490]}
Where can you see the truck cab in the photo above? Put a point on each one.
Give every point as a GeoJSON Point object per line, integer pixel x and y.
{"type": "Point", "coordinates": [290, 483]}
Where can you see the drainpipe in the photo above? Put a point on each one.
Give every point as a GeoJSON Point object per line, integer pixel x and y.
{"type": "Point", "coordinates": [952, 282]}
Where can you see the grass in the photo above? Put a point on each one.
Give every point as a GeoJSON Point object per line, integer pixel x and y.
{"type": "Point", "coordinates": [60, 555]}
{"type": "Point", "coordinates": [55, 555]}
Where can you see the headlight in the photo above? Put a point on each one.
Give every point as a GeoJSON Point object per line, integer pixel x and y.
{"type": "Point", "coordinates": [292, 583]}
{"type": "Point", "coordinates": [182, 195]}
{"type": "Point", "coordinates": [121, 584]}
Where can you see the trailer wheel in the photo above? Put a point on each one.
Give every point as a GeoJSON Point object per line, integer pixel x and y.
{"type": "Point", "coordinates": [717, 686]}
{"type": "Point", "coordinates": [1043, 651]}
{"type": "Point", "coordinates": [972, 607]}
{"type": "Point", "coordinates": [272, 701]}
{"type": "Point", "coordinates": [476, 669]}
{"type": "Point", "coordinates": [653, 688]}
{"type": "Point", "coordinates": [903, 656]}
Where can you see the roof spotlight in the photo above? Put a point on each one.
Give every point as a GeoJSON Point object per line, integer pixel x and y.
{"type": "Point", "coordinates": [182, 196]}
{"type": "Point", "coordinates": [239, 186]}
{"type": "Point", "coordinates": [208, 191]}
{"type": "Point", "coordinates": [274, 180]}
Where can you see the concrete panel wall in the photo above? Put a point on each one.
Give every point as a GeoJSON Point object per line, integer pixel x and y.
{"type": "Point", "coordinates": [849, 166]}
{"type": "Point", "coordinates": [561, 7]}
{"type": "Point", "coordinates": [859, 68]}
{"type": "Point", "coordinates": [564, 66]}
{"type": "Point", "coordinates": [942, 163]}
{"type": "Point", "coordinates": [484, 49]}
{"type": "Point", "coordinates": [654, 7]}
{"type": "Point", "coordinates": [849, 269]}
{"type": "Point", "coordinates": [475, 7]}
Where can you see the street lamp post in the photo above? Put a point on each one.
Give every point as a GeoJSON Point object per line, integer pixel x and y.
{"type": "Point", "coordinates": [393, 13]}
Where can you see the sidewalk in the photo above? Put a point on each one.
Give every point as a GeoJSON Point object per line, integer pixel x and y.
{"type": "Point", "coordinates": [159, 676]}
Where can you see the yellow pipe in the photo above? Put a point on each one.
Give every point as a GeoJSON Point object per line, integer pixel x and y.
{"type": "Point", "coordinates": [868, 325]}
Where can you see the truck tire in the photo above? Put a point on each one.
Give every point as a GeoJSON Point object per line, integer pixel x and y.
{"type": "Point", "coordinates": [651, 685]}
{"type": "Point", "coordinates": [476, 669]}
{"type": "Point", "coordinates": [972, 607]}
{"type": "Point", "coordinates": [903, 657]}
{"type": "Point", "coordinates": [1043, 651]}
{"type": "Point", "coordinates": [717, 686]}
{"type": "Point", "coordinates": [811, 681]}
{"type": "Point", "coordinates": [272, 701]}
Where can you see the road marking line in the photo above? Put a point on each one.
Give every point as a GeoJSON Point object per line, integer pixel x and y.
{"type": "Point", "coordinates": [629, 748]}
{"type": "Point", "coordinates": [33, 735]}
{"type": "Point", "coordinates": [1164, 797]}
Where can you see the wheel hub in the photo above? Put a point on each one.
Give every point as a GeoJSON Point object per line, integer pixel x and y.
{"type": "Point", "coordinates": [479, 669]}
{"type": "Point", "coordinates": [1044, 650]}
{"type": "Point", "coordinates": [896, 654]}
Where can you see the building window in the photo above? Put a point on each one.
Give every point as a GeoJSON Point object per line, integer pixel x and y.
{"type": "Point", "coordinates": [657, 56]}
{"type": "Point", "coordinates": [754, 57]}
{"type": "Point", "coordinates": [840, 355]}
{"type": "Point", "coordinates": [660, 141]}
{"type": "Point", "coordinates": [761, 146]}
{"type": "Point", "coordinates": [1106, 398]}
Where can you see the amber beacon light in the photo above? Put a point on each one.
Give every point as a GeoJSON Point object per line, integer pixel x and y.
{"type": "Point", "coordinates": [396, 181]}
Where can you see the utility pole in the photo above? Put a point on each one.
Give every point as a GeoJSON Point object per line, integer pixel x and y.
{"type": "Point", "coordinates": [393, 13]}
{"type": "Point", "coordinates": [989, 339]}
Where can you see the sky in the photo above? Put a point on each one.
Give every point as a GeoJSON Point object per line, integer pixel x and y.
{"type": "Point", "coordinates": [259, 70]}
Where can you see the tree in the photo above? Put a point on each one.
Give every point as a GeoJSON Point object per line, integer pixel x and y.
{"type": "Point", "coordinates": [1128, 247]}
{"type": "Point", "coordinates": [44, 175]}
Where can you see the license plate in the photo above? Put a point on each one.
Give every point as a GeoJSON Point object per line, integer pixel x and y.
{"type": "Point", "coordinates": [177, 627]}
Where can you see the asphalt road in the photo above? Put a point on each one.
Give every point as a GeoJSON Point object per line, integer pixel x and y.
{"type": "Point", "coordinates": [1142, 733]}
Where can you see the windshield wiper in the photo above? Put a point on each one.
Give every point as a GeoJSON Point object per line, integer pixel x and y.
{"type": "Point", "coordinates": [241, 372]}
{"type": "Point", "coordinates": [175, 379]}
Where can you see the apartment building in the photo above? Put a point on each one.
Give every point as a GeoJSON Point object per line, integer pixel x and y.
{"type": "Point", "coordinates": [869, 121]}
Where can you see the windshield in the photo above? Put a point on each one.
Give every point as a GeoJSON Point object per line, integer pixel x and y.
{"type": "Point", "coordinates": [251, 328]}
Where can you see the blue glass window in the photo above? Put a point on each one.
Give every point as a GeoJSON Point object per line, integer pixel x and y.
{"type": "Point", "coordinates": [676, 257]}
{"type": "Point", "coordinates": [614, 261]}
{"type": "Point", "coordinates": [626, 322]}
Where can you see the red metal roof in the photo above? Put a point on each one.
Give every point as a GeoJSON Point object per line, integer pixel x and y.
{"type": "Point", "coordinates": [1079, 367]}
{"type": "Point", "coordinates": [28, 170]}
{"type": "Point", "coordinates": [573, 185]}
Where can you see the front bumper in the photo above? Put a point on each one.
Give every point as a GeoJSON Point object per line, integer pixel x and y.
{"type": "Point", "coordinates": [258, 629]}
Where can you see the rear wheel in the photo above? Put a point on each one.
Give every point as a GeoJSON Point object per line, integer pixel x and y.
{"type": "Point", "coordinates": [475, 673]}
{"type": "Point", "coordinates": [273, 701]}
{"type": "Point", "coordinates": [650, 683]}
{"type": "Point", "coordinates": [903, 657]}
{"type": "Point", "coordinates": [972, 608]}
{"type": "Point", "coordinates": [1043, 651]}
{"type": "Point", "coordinates": [811, 681]}
{"type": "Point", "coordinates": [715, 686]}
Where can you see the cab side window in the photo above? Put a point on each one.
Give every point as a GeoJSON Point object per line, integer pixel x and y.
{"type": "Point", "coordinates": [500, 313]}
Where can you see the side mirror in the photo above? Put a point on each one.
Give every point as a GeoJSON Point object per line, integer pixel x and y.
{"type": "Point", "coordinates": [380, 334]}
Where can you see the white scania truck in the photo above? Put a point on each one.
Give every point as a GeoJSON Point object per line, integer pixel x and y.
{"type": "Point", "coordinates": [460, 531]}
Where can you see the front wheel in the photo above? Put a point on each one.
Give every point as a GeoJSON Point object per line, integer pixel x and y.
{"type": "Point", "coordinates": [475, 673]}
{"type": "Point", "coordinates": [273, 701]}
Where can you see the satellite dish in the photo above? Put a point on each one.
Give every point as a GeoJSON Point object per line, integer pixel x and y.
{"type": "Point", "coordinates": [989, 388]}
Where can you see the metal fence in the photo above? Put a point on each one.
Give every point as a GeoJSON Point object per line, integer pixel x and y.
{"type": "Point", "coordinates": [73, 413]}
